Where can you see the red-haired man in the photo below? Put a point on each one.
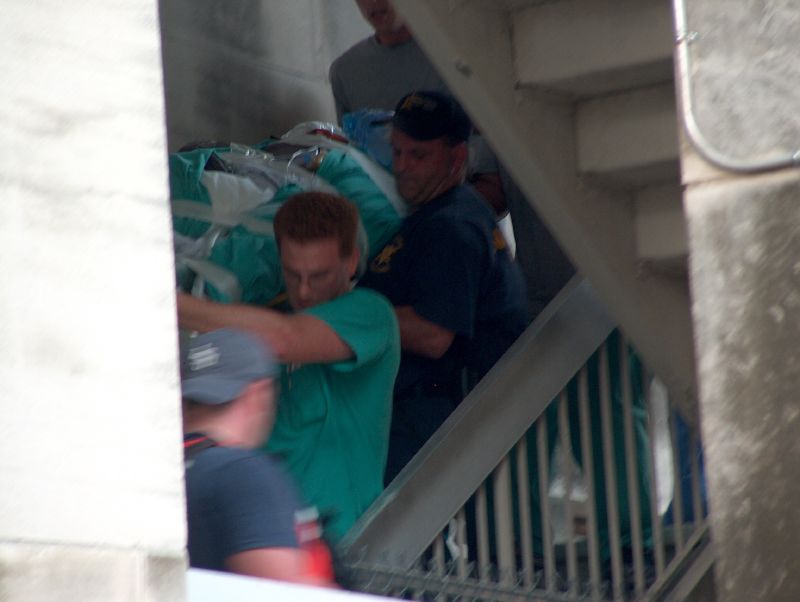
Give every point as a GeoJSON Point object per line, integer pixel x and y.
{"type": "Point", "coordinates": [340, 349]}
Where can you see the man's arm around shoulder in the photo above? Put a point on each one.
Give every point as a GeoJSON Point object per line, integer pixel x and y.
{"type": "Point", "coordinates": [422, 336]}
{"type": "Point", "coordinates": [298, 338]}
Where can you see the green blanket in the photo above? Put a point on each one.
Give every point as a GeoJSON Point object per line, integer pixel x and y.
{"type": "Point", "coordinates": [247, 249]}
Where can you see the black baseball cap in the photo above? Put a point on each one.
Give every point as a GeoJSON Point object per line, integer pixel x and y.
{"type": "Point", "coordinates": [428, 115]}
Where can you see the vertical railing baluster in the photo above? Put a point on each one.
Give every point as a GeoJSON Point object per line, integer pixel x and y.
{"type": "Point", "coordinates": [482, 532]}
{"type": "Point", "coordinates": [462, 561]}
{"type": "Point", "coordinates": [695, 464]}
{"type": "Point", "coordinates": [438, 568]}
{"type": "Point", "coordinates": [631, 466]}
{"type": "Point", "coordinates": [543, 461]}
{"type": "Point", "coordinates": [658, 530]}
{"type": "Point", "coordinates": [588, 471]}
{"type": "Point", "coordinates": [566, 451]}
{"type": "Point", "coordinates": [524, 503]}
{"type": "Point", "coordinates": [696, 492]}
{"type": "Point", "coordinates": [677, 490]}
{"type": "Point", "coordinates": [503, 522]}
{"type": "Point", "coordinates": [416, 594]}
{"type": "Point", "coordinates": [609, 463]}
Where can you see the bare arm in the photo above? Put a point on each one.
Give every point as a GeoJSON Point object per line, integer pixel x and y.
{"type": "Point", "coordinates": [283, 564]}
{"type": "Point", "coordinates": [422, 336]}
{"type": "Point", "coordinates": [293, 338]}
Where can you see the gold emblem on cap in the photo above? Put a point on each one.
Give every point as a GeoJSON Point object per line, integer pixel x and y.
{"type": "Point", "coordinates": [415, 101]}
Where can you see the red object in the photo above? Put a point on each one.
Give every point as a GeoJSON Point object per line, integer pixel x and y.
{"type": "Point", "coordinates": [309, 536]}
{"type": "Point", "coordinates": [331, 135]}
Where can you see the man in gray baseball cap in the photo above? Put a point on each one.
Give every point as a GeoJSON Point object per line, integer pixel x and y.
{"type": "Point", "coordinates": [241, 506]}
{"type": "Point", "coordinates": [217, 366]}
{"type": "Point", "coordinates": [227, 387]}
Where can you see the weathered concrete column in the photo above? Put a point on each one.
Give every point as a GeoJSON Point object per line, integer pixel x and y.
{"type": "Point", "coordinates": [745, 271]}
{"type": "Point", "coordinates": [91, 501]}
{"type": "Point", "coordinates": [250, 69]}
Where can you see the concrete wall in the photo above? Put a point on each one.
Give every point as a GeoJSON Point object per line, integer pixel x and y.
{"type": "Point", "coordinates": [745, 249]}
{"type": "Point", "coordinates": [91, 501]}
{"type": "Point", "coordinates": [242, 71]}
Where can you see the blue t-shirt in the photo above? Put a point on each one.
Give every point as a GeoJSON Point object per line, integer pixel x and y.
{"type": "Point", "coordinates": [451, 264]}
{"type": "Point", "coordinates": [237, 500]}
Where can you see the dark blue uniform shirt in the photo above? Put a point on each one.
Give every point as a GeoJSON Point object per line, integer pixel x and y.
{"type": "Point", "coordinates": [450, 262]}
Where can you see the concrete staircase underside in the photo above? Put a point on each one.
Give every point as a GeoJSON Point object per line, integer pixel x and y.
{"type": "Point", "coordinates": [577, 99]}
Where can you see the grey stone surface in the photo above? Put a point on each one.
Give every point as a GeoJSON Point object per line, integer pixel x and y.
{"type": "Point", "coordinates": [745, 76]}
{"type": "Point", "coordinates": [91, 492]}
{"type": "Point", "coordinates": [244, 71]}
{"type": "Point", "coordinates": [44, 573]}
{"type": "Point", "coordinates": [89, 448]}
{"type": "Point", "coordinates": [745, 269]}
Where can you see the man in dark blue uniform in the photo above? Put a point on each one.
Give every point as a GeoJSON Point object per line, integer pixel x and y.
{"type": "Point", "coordinates": [458, 295]}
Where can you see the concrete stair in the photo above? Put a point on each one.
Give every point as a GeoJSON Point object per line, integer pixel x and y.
{"type": "Point", "coordinates": [614, 57]}
{"type": "Point", "coordinates": [593, 47]}
{"type": "Point", "coordinates": [629, 139]}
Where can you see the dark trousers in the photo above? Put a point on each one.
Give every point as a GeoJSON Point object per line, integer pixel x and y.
{"type": "Point", "coordinates": [414, 420]}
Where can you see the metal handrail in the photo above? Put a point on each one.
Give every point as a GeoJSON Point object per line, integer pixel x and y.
{"type": "Point", "coordinates": [418, 504]}
{"type": "Point", "coordinates": [472, 510]}
{"type": "Point", "coordinates": [684, 37]}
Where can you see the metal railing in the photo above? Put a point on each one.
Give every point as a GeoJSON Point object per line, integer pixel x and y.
{"type": "Point", "coordinates": [477, 514]}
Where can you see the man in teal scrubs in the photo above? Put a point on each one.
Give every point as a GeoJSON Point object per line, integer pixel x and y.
{"type": "Point", "coordinates": [340, 349]}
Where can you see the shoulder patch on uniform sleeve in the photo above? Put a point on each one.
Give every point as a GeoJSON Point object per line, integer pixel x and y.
{"type": "Point", "coordinates": [499, 240]}
{"type": "Point", "coordinates": [382, 262]}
